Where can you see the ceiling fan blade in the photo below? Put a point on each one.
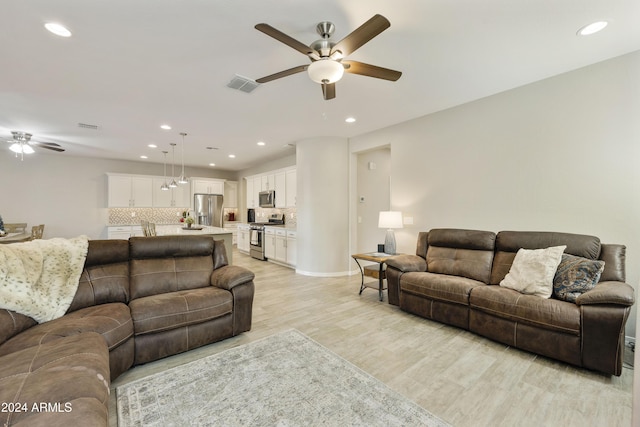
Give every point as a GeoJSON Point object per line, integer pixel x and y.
{"type": "Point", "coordinates": [361, 35]}
{"type": "Point", "coordinates": [288, 40]}
{"type": "Point", "coordinates": [285, 73]}
{"type": "Point", "coordinates": [328, 91]}
{"type": "Point", "coordinates": [48, 145]}
{"type": "Point", "coordinates": [355, 67]}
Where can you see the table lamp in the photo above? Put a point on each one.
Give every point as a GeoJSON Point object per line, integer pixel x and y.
{"type": "Point", "coordinates": [390, 220]}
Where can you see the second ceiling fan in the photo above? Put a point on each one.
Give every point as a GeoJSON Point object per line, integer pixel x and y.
{"type": "Point", "coordinates": [327, 58]}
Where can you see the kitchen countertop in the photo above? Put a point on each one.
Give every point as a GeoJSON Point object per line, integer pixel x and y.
{"type": "Point", "coordinates": [177, 230]}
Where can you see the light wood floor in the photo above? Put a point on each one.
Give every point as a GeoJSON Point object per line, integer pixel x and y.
{"type": "Point", "coordinates": [464, 379]}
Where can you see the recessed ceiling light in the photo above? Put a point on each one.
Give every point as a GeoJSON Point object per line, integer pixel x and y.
{"type": "Point", "coordinates": [143, 157]}
{"type": "Point", "coordinates": [350, 119]}
{"type": "Point", "coordinates": [592, 28]}
{"type": "Point", "coordinates": [232, 156]}
{"type": "Point", "coordinates": [212, 164]}
{"type": "Point", "coordinates": [57, 29]}
{"type": "Point", "coordinates": [152, 146]}
{"type": "Point", "coordinates": [165, 127]}
{"type": "Point", "coordinates": [260, 143]}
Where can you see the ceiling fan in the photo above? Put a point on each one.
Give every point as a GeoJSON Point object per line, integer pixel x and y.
{"type": "Point", "coordinates": [327, 58]}
{"type": "Point", "coordinates": [23, 144]}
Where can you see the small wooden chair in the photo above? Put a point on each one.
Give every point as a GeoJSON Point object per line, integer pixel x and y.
{"type": "Point", "coordinates": [37, 231]}
{"type": "Point", "coordinates": [145, 227]}
{"type": "Point", "coordinates": [151, 228]}
{"type": "Point", "coordinates": [18, 227]}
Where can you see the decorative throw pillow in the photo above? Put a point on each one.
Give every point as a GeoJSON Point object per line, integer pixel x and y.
{"type": "Point", "coordinates": [532, 271]}
{"type": "Point", "coordinates": [575, 276]}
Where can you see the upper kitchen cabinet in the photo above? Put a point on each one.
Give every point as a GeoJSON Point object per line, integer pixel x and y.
{"type": "Point", "coordinates": [173, 197]}
{"type": "Point", "coordinates": [291, 187]}
{"type": "Point", "coordinates": [230, 194]}
{"type": "Point", "coordinates": [207, 186]}
{"type": "Point", "coordinates": [280, 187]}
{"type": "Point", "coordinates": [129, 191]}
{"type": "Point", "coordinates": [267, 182]}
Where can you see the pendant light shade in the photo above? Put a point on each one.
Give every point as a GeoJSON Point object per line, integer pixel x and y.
{"type": "Point", "coordinates": [173, 183]}
{"type": "Point", "coordinates": [183, 178]}
{"type": "Point", "coordinates": [164, 186]}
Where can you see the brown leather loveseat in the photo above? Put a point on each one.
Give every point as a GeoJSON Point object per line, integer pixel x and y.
{"type": "Point", "coordinates": [137, 301]}
{"type": "Point", "coordinates": [455, 278]}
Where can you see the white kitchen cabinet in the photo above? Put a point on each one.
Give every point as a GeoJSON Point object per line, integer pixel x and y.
{"type": "Point", "coordinates": [230, 194]}
{"type": "Point", "coordinates": [233, 227]}
{"type": "Point", "coordinates": [173, 197]}
{"type": "Point", "coordinates": [281, 246]}
{"type": "Point", "coordinates": [249, 192]}
{"type": "Point", "coordinates": [207, 186]}
{"type": "Point", "coordinates": [267, 182]}
{"type": "Point", "coordinates": [280, 188]}
{"type": "Point", "coordinates": [254, 186]}
{"type": "Point", "coordinates": [292, 248]}
{"type": "Point", "coordinates": [129, 191]}
{"type": "Point", "coordinates": [123, 231]}
{"type": "Point", "coordinates": [291, 188]}
{"type": "Point", "coordinates": [269, 243]}
{"type": "Point", "coordinates": [243, 238]}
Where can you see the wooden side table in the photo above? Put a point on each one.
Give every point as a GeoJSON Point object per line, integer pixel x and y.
{"type": "Point", "coordinates": [375, 271]}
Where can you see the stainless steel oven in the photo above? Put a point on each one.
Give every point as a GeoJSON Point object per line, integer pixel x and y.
{"type": "Point", "coordinates": [256, 235]}
{"type": "Point", "coordinates": [256, 241]}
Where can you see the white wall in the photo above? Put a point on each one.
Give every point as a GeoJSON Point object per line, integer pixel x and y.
{"type": "Point", "coordinates": [373, 187]}
{"type": "Point", "coordinates": [561, 154]}
{"type": "Point", "coordinates": [68, 194]}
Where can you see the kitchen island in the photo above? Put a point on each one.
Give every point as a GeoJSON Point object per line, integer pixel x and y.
{"type": "Point", "coordinates": [216, 232]}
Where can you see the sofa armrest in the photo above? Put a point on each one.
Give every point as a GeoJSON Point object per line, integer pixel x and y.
{"type": "Point", "coordinates": [610, 292]}
{"type": "Point", "coordinates": [407, 263]}
{"type": "Point", "coordinates": [229, 276]}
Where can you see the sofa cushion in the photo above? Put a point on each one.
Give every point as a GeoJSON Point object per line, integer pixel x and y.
{"type": "Point", "coordinates": [509, 242]}
{"type": "Point", "coordinates": [66, 370]}
{"type": "Point", "coordinates": [575, 276]}
{"type": "Point", "coordinates": [466, 253]}
{"type": "Point", "coordinates": [506, 303]}
{"type": "Point", "coordinates": [112, 321]}
{"type": "Point", "coordinates": [12, 323]}
{"type": "Point", "coordinates": [442, 287]}
{"type": "Point", "coordinates": [102, 284]}
{"type": "Point", "coordinates": [176, 309]}
{"type": "Point", "coordinates": [532, 271]}
{"type": "Point", "coordinates": [164, 275]}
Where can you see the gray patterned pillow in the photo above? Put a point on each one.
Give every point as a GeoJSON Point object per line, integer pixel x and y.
{"type": "Point", "coordinates": [575, 275]}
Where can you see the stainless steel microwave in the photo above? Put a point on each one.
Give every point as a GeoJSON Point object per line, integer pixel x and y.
{"type": "Point", "coordinates": [267, 199]}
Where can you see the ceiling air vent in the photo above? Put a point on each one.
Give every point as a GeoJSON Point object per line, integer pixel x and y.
{"type": "Point", "coordinates": [242, 83]}
{"type": "Point", "coordinates": [86, 126]}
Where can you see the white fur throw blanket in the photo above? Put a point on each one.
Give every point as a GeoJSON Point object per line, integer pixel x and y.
{"type": "Point", "coordinates": [40, 278]}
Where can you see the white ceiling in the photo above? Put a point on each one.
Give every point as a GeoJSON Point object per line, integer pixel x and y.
{"type": "Point", "coordinates": [131, 66]}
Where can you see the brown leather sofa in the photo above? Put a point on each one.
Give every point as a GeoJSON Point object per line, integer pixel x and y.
{"type": "Point", "coordinates": [454, 279]}
{"type": "Point", "coordinates": [137, 301]}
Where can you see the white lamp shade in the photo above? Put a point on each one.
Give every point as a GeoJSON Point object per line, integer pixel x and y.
{"type": "Point", "coordinates": [325, 71]}
{"type": "Point", "coordinates": [21, 148]}
{"type": "Point", "coordinates": [390, 219]}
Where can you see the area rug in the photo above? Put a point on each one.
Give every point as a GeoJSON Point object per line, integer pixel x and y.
{"type": "Point", "coordinates": [283, 380]}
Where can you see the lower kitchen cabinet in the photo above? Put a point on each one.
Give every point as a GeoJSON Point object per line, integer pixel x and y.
{"type": "Point", "coordinates": [123, 231]}
{"type": "Point", "coordinates": [280, 246]}
{"type": "Point", "coordinates": [243, 238]}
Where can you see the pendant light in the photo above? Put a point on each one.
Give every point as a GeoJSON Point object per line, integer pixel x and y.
{"type": "Point", "coordinates": [173, 183]}
{"type": "Point", "coordinates": [164, 186]}
{"type": "Point", "coordinates": [183, 179]}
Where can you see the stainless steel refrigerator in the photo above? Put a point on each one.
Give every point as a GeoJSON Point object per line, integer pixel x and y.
{"type": "Point", "coordinates": [207, 209]}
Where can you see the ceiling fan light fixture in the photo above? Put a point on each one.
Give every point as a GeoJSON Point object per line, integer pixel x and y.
{"type": "Point", "coordinates": [325, 70]}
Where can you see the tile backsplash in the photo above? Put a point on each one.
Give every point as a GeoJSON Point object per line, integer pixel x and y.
{"type": "Point", "coordinates": [133, 216]}
{"type": "Point", "coordinates": [290, 218]}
